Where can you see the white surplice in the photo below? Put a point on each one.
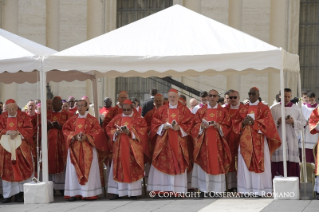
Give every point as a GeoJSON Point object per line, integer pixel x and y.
{"type": "Point", "coordinates": [248, 181]}
{"type": "Point", "coordinates": [91, 188]}
{"type": "Point", "coordinates": [206, 182]}
{"type": "Point", "coordinates": [159, 181]}
{"type": "Point", "coordinates": [123, 189]}
{"type": "Point", "coordinates": [310, 139]}
{"type": "Point", "coordinates": [292, 132]}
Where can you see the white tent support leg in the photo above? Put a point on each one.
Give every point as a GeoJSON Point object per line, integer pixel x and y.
{"type": "Point", "coordinates": [283, 140]}
{"type": "Point", "coordinates": [95, 100]}
{"type": "Point", "coordinates": [44, 140]}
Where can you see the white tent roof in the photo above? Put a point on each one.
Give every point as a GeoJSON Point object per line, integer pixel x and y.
{"type": "Point", "coordinates": [20, 57]}
{"type": "Point", "coordinates": [174, 41]}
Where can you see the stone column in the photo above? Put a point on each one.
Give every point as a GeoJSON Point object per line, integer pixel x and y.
{"type": "Point", "coordinates": [10, 23]}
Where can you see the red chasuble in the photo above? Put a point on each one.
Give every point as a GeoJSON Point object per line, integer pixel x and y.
{"type": "Point", "coordinates": [173, 139]}
{"type": "Point", "coordinates": [313, 123]}
{"type": "Point", "coordinates": [125, 149]}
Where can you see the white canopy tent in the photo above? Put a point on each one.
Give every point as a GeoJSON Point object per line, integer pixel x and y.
{"type": "Point", "coordinates": [175, 42]}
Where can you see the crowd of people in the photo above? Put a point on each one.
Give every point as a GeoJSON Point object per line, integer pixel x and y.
{"type": "Point", "coordinates": [218, 144]}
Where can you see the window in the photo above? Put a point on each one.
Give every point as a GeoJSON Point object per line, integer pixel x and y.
{"type": "Point", "coordinates": [309, 44]}
{"type": "Point", "coordinates": [129, 11]}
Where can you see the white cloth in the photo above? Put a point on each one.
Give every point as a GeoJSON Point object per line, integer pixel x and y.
{"type": "Point", "coordinates": [195, 109]}
{"type": "Point", "coordinates": [123, 189]}
{"type": "Point", "coordinates": [316, 187]}
{"type": "Point", "coordinates": [1, 188]}
{"type": "Point", "coordinates": [292, 132]}
{"type": "Point", "coordinates": [310, 139]}
{"type": "Point", "coordinates": [58, 180]}
{"type": "Point", "coordinates": [13, 188]}
{"type": "Point", "coordinates": [159, 181]}
{"type": "Point", "coordinates": [91, 188]}
{"type": "Point", "coordinates": [254, 182]}
{"type": "Point", "coordinates": [206, 182]}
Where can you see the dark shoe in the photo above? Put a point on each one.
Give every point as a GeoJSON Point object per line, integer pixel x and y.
{"type": "Point", "coordinates": [72, 199]}
{"type": "Point", "coordinates": [6, 200]}
{"type": "Point", "coordinates": [20, 197]}
{"type": "Point", "coordinates": [115, 197]}
{"type": "Point", "coordinates": [62, 192]}
{"type": "Point", "coordinates": [133, 197]}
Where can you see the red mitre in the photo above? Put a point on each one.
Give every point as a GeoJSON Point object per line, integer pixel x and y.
{"type": "Point", "coordinates": [10, 101]}
{"type": "Point", "coordinates": [127, 102]}
{"type": "Point", "coordinates": [173, 90]}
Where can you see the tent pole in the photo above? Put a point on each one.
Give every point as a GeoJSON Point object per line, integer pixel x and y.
{"type": "Point", "coordinates": [44, 143]}
{"type": "Point", "coordinates": [95, 100]}
{"type": "Point", "coordinates": [283, 124]}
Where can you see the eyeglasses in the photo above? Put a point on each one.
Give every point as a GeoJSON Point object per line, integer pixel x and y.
{"type": "Point", "coordinates": [251, 94]}
{"type": "Point", "coordinates": [80, 105]}
{"type": "Point", "coordinates": [233, 97]}
{"type": "Point", "coordinates": [212, 95]}
{"type": "Point", "coordinates": [126, 110]}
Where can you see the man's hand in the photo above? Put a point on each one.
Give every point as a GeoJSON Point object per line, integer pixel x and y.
{"type": "Point", "coordinates": [248, 121]}
{"type": "Point", "coordinates": [49, 125]}
{"type": "Point", "coordinates": [279, 121]}
{"type": "Point", "coordinates": [118, 131]}
{"type": "Point", "coordinates": [204, 125]}
{"type": "Point", "coordinates": [57, 125]}
{"type": "Point", "coordinates": [176, 127]}
{"type": "Point", "coordinates": [216, 126]}
{"type": "Point", "coordinates": [290, 121]}
{"type": "Point", "coordinates": [126, 131]}
{"type": "Point", "coordinates": [13, 134]}
{"type": "Point", "coordinates": [81, 137]}
{"type": "Point", "coordinates": [166, 127]}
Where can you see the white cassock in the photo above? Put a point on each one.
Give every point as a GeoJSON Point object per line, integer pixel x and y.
{"type": "Point", "coordinates": [206, 182]}
{"type": "Point", "coordinates": [248, 181]}
{"type": "Point", "coordinates": [159, 181]}
{"type": "Point", "coordinates": [123, 189]}
{"type": "Point", "coordinates": [292, 132]}
{"type": "Point", "coordinates": [91, 188]}
{"type": "Point", "coordinates": [310, 139]}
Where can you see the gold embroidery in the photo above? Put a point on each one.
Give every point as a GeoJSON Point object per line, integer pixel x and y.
{"type": "Point", "coordinates": [80, 126]}
{"type": "Point", "coordinates": [55, 118]}
{"type": "Point", "coordinates": [126, 123]}
{"type": "Point", "coordinates": [212, 115]}
{"type": "Point", "coordinates": [252, 112]}
{"type": "Point", "coordinates": [11, 124]}
{"type": "Point", "coordinates": [173, 115]}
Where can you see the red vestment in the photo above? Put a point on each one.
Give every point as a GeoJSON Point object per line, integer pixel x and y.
{"type": "Point", "coordinates": [313, 122]}
{"type": "Point", "coordinates": [73, 110]}
{"type": "Point", "coordinates": [22, 169]}
{"type": "Point", "coordinates": [81, 153]}
{"type": "Point", "coordinates": [211, 150]}
{"type": "Point", "coordinates": [151, 142]}
{"type": "Point", "coordinates": [128, 157]}
{"type": "Point", "coordinates": [251, 142]}
{"type": "Point", "coordinates": [171, 152]}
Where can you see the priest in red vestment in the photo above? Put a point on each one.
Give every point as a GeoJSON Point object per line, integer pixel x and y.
{"type": "Point", "coordinates": [314, 129]}
{"type": "Point", "coordinates": [73, 107]}
{"type": "Point", "coordinates": [34, 120]}
{"type": "Point", "coordinates": [211, 151]}
{"type": "Point", "coordinates": [171, 124]}
{"type": "Point", "coordinates": [84, 139]}
{"type": "Point", "coordinates": [57, 150]}
{"type": "Point", "coordinates": [128, 132]}
{"type": "Point", "coordinates": [258, 141]}
{"type": "Point", "coordinates": [233, 138]}
{"type": "Point", "coordinates": [106, 109]}
{"type": "Point", "coordinates": [16, 166]}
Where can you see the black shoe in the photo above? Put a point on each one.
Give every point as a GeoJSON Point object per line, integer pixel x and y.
{"type": "Point", "coordinates": [72, 199]}
{"type": "Point", "coordinates": [115, 197]}
{"type": "Point", "coordinates": [62, 192]}
{"type": "Point", "coordinates": [20, 197]}
{"type": "Point", "coordinates": [133, 197]}
{"type": "Point", "coordinates": [6, 200]}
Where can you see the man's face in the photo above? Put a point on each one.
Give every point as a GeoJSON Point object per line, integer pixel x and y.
{"type": "Point", "coordinates": [122, 97]}
{"type": "Point", "coordinates": [253, 95]}
{"type": "Point", "coordinates": [213, 98]}
{"type": "Point", "coordinates": [31, 107]}
{"type": "Point", "coordinates": [12, 109]}
{"type": "Point", "coordinates": [134, 105]}
{"type": "Point", "coordinates": [193, 103]}
{"type": "Point", "coordinates": [108, 103]}
{"type": "Point", "coordinates": [159, 101]}
{"type": "Point", "coordinates": [127, 109]}
{"type": "Point", "coordinates": [71, 102]}
{"type": "Point", "coordinates": [287, 97]}
{"type": "Point", "coordinates": [66, 106]}
{"type": "Point", "coordinates": [312, 100]}
{"type": "Point", "coordinates": [81, 107]}
{"type": "Point", "coordinates": [173, 98]}
{"type": "Point", "coordinates": [203, 100]}
{"type": "Point", "coordinates": [57, 104]}
{"type": "Point", "coordinates": [49, 105]}
{"type": "Point", "coordinates": [234, 98]}
{"type": "Point", "coordinates": [305, 98]}
{"type": "Point", "coordinates": [226, 99]}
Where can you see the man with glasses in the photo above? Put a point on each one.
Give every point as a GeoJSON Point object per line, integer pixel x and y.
{"type": "Point", "coordinates": [226, 99]}
{"type": "Point", "coordinates": [15, 169]}
{"type": "Point", "coordinates": [233, 138]}
{"type": "Point", "coordinates": [57, 151]}
{"type": "Point", "coordinates": [171, 125]}
{"type": "Point", "coordinates": [258, 141]}
{"type": "Point", "coordinates": [203, 101]}
{"type": "Point", "coordinates": [127, 131]}
{"type": "Point", "coordinates": [85, 140]}
{"type": "Point", "coordinates": [71, 102]}
{"type": "Point", "coordinates": [212, 155]}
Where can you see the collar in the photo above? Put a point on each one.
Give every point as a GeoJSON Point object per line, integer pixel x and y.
{"type": "Point", "coordinates": [138, 107]}
{"type": "Point", "coordinates": [172, 107]}
{"type": "Point", "coordinates": [255, 103]}
{"type": "Point", "coordinates": [35, 113]}
{"type": "Point", "coordinates": [12, 116]}
{"type": "Point", "coordinates": [235, 107]}
{"type": "Point", "coordinates": [201, 105]}
{"type": "Point", "coordinates": [288, 105]}
{"type": "Point", "coordinates": [84, 116]}
{"type": "Point", "coordinates": [123, 115]}
{"type": "Point", "coordinates": [209, 107]}
{"type": "Point", "coordinates": [312, 106]}
{"type": "Point", "coordinates": [57, 111]}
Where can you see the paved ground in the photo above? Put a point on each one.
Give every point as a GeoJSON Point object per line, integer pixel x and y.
{"type": "Point", "coordinates": [171, 205]}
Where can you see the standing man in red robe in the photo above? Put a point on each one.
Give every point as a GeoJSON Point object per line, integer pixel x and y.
{"type": "Point", "coordinates": [73, 107]}
{"type": "Point", "coordinates": [171, 124]}
{"type": "Point", "coordinates": [258, 141]}
{"type": "Point", "coordinates": [17, 168]}
{"type": "Point", "coordinates": [211, 151]}
{"type": "Point", "coordinates": [233, 138]}
{"type": "Point", "coordinates": [84, 139]}
{"type": "Point", "coordinates": [314, 129]}
{"type": "Point", "coordinates": [57, 150]}
{"type": "Point", "coordinates": [127, 168]}
{"type": "Point", "coordinates": [106, 109]}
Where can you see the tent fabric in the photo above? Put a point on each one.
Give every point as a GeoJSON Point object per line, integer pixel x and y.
{"type": "Point", "coordinates": [171, 42]}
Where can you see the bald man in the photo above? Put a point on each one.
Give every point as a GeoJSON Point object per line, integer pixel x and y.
{"type": "Point", "coordinates": [90, 107]}
{"type": "Point", "coordinates": [193, 103]}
